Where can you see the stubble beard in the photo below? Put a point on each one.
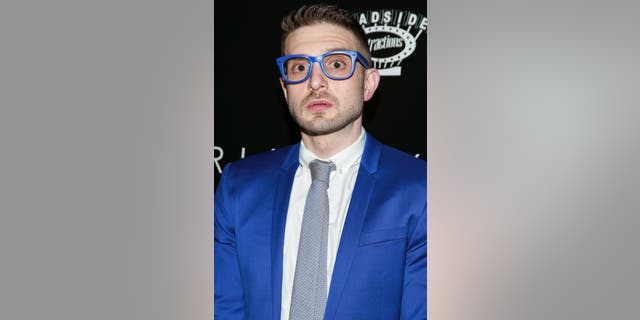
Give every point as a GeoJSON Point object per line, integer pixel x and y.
{"type": "Point", "coordinates": [319, 124]}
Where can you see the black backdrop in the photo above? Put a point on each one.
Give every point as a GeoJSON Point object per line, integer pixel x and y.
{"type": "Point", "coordinates": [250, 114]}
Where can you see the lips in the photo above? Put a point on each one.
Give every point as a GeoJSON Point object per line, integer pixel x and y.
{"type": "Point", "coordinates": [319, 105]}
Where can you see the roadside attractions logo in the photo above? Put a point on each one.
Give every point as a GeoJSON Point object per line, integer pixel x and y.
{"type": "Point", "coordinates": [392, 36]}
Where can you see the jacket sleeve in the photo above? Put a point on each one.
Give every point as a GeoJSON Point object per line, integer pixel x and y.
{"type": "Point", "coordinates": [228, 291]}
{"type": "Point", "coordinates": [414, 293]}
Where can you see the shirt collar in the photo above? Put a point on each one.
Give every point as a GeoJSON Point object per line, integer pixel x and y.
{"type": "Point", "coordinates": [342, 160]}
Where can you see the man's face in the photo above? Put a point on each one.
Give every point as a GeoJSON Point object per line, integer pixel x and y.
{"type": "Point", "coordinates": [321, 105]}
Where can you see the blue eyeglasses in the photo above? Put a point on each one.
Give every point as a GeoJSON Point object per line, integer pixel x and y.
{"type": "Point", "coordinates": [336, 65]}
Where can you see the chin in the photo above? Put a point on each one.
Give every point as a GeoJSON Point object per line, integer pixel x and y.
{"type": "Point", "coordinates": [321, 129]}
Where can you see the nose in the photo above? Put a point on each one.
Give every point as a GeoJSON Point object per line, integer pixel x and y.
{"type": "Point", "coordinates": [317, 80]}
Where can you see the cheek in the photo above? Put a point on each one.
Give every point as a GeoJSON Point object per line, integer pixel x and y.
{"type": "Point", "coordinates": [351, 94]}
{"type": "Point", "coordinates": [294, 96]}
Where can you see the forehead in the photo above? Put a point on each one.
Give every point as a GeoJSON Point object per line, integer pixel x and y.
{"type": "Point", "coordinates": [319, 38]}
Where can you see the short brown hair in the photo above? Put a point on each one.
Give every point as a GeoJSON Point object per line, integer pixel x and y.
{"type": "Point", "coordinates": [310, 14]}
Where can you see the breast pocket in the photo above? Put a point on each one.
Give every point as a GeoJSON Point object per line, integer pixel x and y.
{"type": "Point", "coordinates": [384, 235]}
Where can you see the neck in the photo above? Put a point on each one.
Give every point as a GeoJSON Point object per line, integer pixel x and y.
{"type": "Point", "coordinates": [328, 145]}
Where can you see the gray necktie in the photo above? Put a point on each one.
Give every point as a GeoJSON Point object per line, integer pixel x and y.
{"type": "Point", "coordinates": [309, 296]}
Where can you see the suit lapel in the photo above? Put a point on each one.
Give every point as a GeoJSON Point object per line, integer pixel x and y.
{"type": "Point", "coordinates": [280, 207]}
{"type": "Point", "coordinates": [362, 191]}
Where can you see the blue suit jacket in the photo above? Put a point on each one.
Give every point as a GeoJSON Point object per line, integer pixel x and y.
{"type": "Point", "coordinates": [381, 265]}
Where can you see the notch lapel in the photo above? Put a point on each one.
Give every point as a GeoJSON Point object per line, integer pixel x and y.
{"type": "Point", "coordinates": [360, 199]}
{"type": "Point", "coordinates": [279, 219]}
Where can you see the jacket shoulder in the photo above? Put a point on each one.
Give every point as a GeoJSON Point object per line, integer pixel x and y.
{"type": "Point", "coordinates": [261, 163]}
{"type": "Point", "coordinates": [401, 161]}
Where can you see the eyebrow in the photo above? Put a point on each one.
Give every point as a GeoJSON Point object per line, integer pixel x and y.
{"type": "Point", "coordinates": [328, 50]}
{"type": "Point", "coordinates": [337, 48]}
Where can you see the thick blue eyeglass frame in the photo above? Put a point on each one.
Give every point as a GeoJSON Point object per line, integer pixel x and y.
{"type": "Point", "coordinates": [355, 55]}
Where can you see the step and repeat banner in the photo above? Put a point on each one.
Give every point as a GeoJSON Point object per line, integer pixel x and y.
{"type": "Point", "coordinates": [250, 113]}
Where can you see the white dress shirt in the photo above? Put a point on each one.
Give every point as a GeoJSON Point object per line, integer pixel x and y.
{"type": "Point", "coordinates": [341, 182]}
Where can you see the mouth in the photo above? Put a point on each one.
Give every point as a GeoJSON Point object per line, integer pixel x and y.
{"type": "Point", "coordinates": [319, 105]}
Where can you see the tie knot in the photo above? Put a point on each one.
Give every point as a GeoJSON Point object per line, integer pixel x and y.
{"type": "Point", "coordinates": [320, 170]}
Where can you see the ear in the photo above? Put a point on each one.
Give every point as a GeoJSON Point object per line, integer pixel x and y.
{"type": "Point", "coordinates": [284, 89]}
{"type": "Point", "coordinates": [371, 81]}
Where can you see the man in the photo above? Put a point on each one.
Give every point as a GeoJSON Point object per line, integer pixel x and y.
{"type": "Point", "coordinates": [333, 227]}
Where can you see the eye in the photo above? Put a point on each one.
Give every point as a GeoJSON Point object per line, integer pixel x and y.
{"type": "Point", "coordinates": [337, 62]}
{"type": "Point", "coordinates": [297, 66]}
